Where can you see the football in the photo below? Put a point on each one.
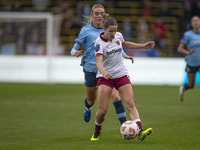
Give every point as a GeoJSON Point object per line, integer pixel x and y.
{"type": "Point", "coordinates": [129, 130]}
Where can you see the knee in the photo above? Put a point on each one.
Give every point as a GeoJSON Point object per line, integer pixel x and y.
{"type": "Point", "coordinates": [115, 98]}
{"type": "Point", "coordinates": [130, 105]}
{"type": "Point", "coordinates": [102, 112]}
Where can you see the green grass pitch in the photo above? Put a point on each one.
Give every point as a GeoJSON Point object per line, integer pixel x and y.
{"type": "Point", "coordinates": [50, 117]}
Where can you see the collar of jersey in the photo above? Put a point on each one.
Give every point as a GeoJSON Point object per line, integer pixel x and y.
{"type": "Point", "coordinates": [101, 36]}
{"type": "Point", "coordinates": [94, 26]}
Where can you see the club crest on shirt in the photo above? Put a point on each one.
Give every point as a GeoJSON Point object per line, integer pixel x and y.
{"type": "Point", "coordinates": [97, 47]}
{"type": "Point", "coordinates": [117, 42]}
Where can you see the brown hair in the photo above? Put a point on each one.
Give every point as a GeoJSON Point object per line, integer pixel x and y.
{"type": "Point", "coordinates": [195, 17]}
{"type": "Point", "coordinates": [109, 21]}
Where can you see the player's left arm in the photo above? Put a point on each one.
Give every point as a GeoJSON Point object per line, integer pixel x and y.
{"type": "Point", "coordinates": [129, 57]}
{"type": "Point", "coordinates": [132, 45]}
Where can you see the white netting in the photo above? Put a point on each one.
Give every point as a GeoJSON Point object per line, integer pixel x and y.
{"type": "Point", "coordinates": [29, 33]}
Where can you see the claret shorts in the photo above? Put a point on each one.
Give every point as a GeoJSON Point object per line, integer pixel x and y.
{"type": "Point", "coordinates": [117, 83]}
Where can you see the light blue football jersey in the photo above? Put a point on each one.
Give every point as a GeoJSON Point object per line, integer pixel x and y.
{"type": "Point", "coordinates": [87, 37]}
{"type": "Point", "coordinates": [192, 40]}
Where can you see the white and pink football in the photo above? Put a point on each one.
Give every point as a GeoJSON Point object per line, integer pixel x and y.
{"type": "Point", "coordinates": [129, 130]}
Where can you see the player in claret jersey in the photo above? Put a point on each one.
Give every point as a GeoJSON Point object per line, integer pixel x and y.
{"type": "Point", "coordinates": [112, 73]}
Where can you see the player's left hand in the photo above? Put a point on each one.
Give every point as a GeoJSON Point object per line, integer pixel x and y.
{"type": "Point", "coordinates": [191, 51]}
{"type": "Point", "coordinates": [129, 57]}
{"type": "Point", "coordinates": [149, 44]}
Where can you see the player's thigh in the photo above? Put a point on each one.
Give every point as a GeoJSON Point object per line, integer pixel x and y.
{"type": "Point", "coordinates": [126, 93]}
{"type": "Point", "coordinates": [104, 93]}
{"type": "Point", "coordinates": [115, 95]}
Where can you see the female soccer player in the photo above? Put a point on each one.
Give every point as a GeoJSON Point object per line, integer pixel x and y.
{"type": "Point", "coordinates": [112, 73]}
{"type": "Point", "coordinates": [190, 46]}
{"type": "Point", "coordinates": [87, 37]}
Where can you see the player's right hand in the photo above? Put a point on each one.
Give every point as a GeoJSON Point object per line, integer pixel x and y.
{"type": "Point", "coordinates": [78, 53]}
{"type": "Point", "coordinates": [107, 76]}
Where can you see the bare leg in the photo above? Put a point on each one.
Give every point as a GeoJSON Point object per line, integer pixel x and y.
{"type": "Point", "coordinates": [115, 95]}
{"type": "Point", "coordinates": [191, 79]}
{"type": "Point", "coordinates": [126, 94]}
{"type": "Point", "coordinates": [91, 95]}
{"type": "Point", "coordinates": [104, 93]}
{"type": "Point", "coordinates": [189, 85]}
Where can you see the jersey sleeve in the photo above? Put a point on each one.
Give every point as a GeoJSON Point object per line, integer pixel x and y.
{"type": "Point", "coordinates": [121, 38]}
{"type": "Point", "coordinates": [75, 48]}
{"type": "Point", "coordinates": [98, 48]}
{"type": "Point", "coordinates": [122, 41]}
{"type": "Point", "coordinates": [184, 39]}
{"type": "Point", "coordinates": [81, 37]}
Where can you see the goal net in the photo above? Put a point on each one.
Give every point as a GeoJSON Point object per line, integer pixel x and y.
{"type": "Point", "coordinates": [29, 33]}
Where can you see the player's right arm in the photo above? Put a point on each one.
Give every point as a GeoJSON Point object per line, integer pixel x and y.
{"type": "Point", "coordinates": [78, 42]}
{"type": "Point", "coordinates": [99, 60]}
{"type": "Point", "coordinates": [75, 51]}
{"type": "Point", "coordinates": [181, 49]}
{"type": "Point", "coordinates": [183, 43]}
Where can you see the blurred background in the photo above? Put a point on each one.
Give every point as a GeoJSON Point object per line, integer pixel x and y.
{"type": "Point", "coordinates": [36, 37]}
{"type": "Point", "coordinates": [163, 21]}
{"type": "Point", "coordinates": [49, 27]}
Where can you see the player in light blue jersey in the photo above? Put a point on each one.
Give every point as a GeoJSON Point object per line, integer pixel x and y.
{"type": "Point", "coordinates": [87, 37]}
{"type": "Point", "coordinates": [190, 46]}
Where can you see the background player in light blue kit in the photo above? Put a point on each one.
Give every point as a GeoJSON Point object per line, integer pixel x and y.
{"type": "Point", "coordinates": [190, 46]}
{"type": "Point", "coordinates": [87, 37]}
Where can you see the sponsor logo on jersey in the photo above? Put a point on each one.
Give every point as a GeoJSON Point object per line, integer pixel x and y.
{"type": "Point", "coordinates": [114, 51]}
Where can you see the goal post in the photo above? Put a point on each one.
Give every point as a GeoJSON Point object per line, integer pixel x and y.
{"type": "Point", "coordinates": [24, 17]}
{"type": "Point", "coordinates": [42, 23]}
